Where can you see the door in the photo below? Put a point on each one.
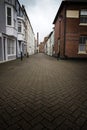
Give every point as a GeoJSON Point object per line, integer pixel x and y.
{"type": "Point", "coordinates": [58, 45]}
{"type": "Point", "coordinates": [86, 46]}
{"type": "Point", "coordinates": [4, 48]}
{"type": "Point", "coordinates": [1, 50]}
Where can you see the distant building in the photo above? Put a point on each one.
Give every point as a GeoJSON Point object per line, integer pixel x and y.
{"type": "Point", "coordinates": [49, 44]}
{"type": "Point", "coordinates": [70, 32]}
{"type": "Point", "coordinates": [41, 47]}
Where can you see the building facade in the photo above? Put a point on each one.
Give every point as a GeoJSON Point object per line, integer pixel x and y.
{"type": "Point", "coordinates": [70, 37]}
{"type": "Point", "coordinates": [21, 27]}
{"type": "Point", "coordinates": [29, 35]}
{"type": "Point", "coordinates": [16, 33]}
{"type": "Point", "coordinates": [8, 30]}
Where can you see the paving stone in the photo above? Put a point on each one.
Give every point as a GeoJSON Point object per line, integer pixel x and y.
{"type": "Point", "coordinates": [36, 120]}
{"type": "Point", "coordinates": [43, 93]}
{"type": "Point", "coordinates": [59, 120]}
{"type": "Point", "coordinates": [49, 125]}
{"type": "Point", "coordinates": [14, 127]}
{"type": "Point", "coordinates": [3, 124]}
{"type": "Point", "coordinates": [38, 127]}
{"type": "Point", "coordinates": [84, 127]}
{"type": "Point", "coordinates": [24, 125]}
{"type": "Point", "coordinates": [47, 116]}
{"type": "Point", "coordinates": [26, 116]}
{"type": "Point", "coordinates": [13, 120]}
{"type": "Point", "coordinates": [80, 121]}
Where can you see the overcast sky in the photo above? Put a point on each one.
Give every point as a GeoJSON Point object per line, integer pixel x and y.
{"type": "Point", "coordinates": [41, 14]}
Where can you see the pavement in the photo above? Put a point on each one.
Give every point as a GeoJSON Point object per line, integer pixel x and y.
{"type": "Point", "coordinates": [43, 93]}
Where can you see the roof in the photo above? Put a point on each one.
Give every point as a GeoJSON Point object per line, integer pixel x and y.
{"type": "Point", "coordinates": [64, 2]}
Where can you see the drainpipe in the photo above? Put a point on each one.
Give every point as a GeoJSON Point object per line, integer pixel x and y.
{"type": "Point", "coordinates": [16, 48]}
{"type": "Point", "coordinates": [64, 31]}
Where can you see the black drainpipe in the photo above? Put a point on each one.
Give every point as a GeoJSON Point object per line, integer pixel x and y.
{"type": "Point", "coordinates": [16, 49]}
{"type": "Point", "coordinates": [64, 31]}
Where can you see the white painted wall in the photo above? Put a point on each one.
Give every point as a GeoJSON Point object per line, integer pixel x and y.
{"type": "Point", "coordinates": [30, 39]}
{"type": "Point", "coordinates": [49, 45]}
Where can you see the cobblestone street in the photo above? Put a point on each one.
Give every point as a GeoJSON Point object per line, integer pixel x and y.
{"type": "Point", "coordinates": [42, 93]}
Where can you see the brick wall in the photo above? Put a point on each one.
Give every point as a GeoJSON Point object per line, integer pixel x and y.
{"type": "Point", "coordinates": [59, 35]}
{"type": "Point", "coordinates": [73, 32]}
{"type": "Point", "coordinates": [69, 31]}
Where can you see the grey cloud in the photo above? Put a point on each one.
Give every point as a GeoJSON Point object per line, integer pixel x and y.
{"type": "Point", "coordinates": [41, 14]}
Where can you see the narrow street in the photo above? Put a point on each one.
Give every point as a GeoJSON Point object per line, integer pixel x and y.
{"type": "Point", "coordinates": [43, 93]}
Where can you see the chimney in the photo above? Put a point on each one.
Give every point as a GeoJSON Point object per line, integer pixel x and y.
{"type": "Point", "coordinates": [37, 39]}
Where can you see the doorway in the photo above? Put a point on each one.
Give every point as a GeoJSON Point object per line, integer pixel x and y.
{"type": "Point", "coordinates": [4, 48]}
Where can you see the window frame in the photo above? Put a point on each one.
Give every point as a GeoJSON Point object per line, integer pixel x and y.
{"type": "Point", "coordinates": [83, 43]}
{"type": "Point", "coordinates": [83, 18]}
{"type": "Point", "coordinates": [19, 23]}
{"type": "Point", "coordinates": [8, 6]}
{"type": "Point", "coordinates": [10, 47]}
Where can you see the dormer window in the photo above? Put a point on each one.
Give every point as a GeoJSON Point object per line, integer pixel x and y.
{"type": "Point", "coordinates": [83, 16]}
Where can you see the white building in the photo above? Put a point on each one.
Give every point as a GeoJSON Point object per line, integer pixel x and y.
{"type": "Point", "coordinates": [49, 44]}
{"type": "Point", "coordinates": [20, 30]}
{"type": "Point", "coordinates": [16, 32]}
{"type": "Point", "coordinates": [31, 48]}
{"type": "Point", "coordinates": [8, 30]}
{"type": "Point", "coordinates": [29, 35]}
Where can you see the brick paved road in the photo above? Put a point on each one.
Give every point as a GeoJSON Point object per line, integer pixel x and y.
{"type": "Point", "coordinates": [41, 93]}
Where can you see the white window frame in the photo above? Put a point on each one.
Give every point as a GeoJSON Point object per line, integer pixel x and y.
{"type": "Point", "coordinates": [84, 45]}
{"type": "Point", "coordinates": [83, 14]}
{"type": "Point", "coordinates": [21, 26]}
{"type": "Point", "coordinates": [14, 47]}
{"type": "Point", "coordinates": [8, 6]}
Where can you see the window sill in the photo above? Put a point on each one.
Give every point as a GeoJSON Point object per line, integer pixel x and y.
{"type": "Point", "coordinates": [82, 53]}
{"type": "Point", "coordinates": [83, 24]}
{"type": "Point", "coordinates": [10, 26]}
{"type": "Point", "coordinates": [11, 54]}
{"type": "Point", "coordinates": [20, 33]}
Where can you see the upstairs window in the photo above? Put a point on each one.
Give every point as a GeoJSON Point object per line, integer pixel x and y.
{"type": "Point", "coordinates": [83, 44]}
{"type": "Point", "coordinates": [19, 27]}
{"type": "Point", "coordinates": [9, 17]}
{"type": "Point", "coordinates": [83, 16]}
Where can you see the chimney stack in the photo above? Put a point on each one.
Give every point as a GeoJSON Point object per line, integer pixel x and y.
{"type": "Point", "coordinates": [37, 39]}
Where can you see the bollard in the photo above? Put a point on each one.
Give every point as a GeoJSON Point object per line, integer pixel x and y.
{"type": "Point", "coordinates": [27, 55]}
{"type": "Point", "coordinates": [21, 56]}
{"type": "Point", "coordinates": [58, 55]}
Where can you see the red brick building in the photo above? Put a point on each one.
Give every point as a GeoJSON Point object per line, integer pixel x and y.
{"type": "Point", "coordinates": [70, 32]}
{"type": "Point", "coordinates": [41, 47]}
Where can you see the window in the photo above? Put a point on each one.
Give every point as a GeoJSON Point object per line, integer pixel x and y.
{"type": "Point", "coordinates": [19, 27]}
{"type": "Point", "coordinates": [10, 45]}
{"type": "Point", "coordinates": [83, 44]}
{"type": "Point", "coordinates": [83, 16]}
{"type": "Point", "coordinates": [9, 17]}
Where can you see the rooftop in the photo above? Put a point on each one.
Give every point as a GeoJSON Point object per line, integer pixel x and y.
{"type": "Point", "coordinates": [66, 2]}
